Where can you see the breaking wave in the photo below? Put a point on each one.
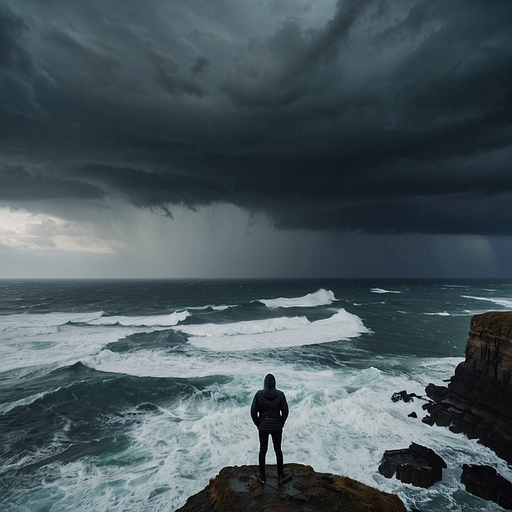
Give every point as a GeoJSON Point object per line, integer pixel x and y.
{"type": "Point", "coordinates": [319, 298]}
{"type": "Point", "coordinates": [506, 303]}
{"type": "Point", "coordinates": [382, 290]}
{"type": "Point", "coordinates": [274, 333]}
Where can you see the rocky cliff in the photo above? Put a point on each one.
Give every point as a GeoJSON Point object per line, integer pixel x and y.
{"type": "Point", "coordinates": [478, 399]}
{"type": "Point", "coordinates": [236, 488]}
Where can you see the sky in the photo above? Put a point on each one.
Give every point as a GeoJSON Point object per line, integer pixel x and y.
{"type": "Point", "coordinates": [255, 138]}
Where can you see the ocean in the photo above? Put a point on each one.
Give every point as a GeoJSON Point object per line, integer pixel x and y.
{"type": "Point", "coordinates": [130, 395]}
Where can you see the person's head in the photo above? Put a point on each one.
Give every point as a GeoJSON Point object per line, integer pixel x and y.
{"type": "Point", "coordinates": [270, 381]}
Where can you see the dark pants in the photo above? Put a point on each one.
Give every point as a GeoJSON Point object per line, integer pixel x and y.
{"type": "Point", "coordinates": [276, 441]}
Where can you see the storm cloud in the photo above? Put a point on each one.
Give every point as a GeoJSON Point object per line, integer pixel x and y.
{"type": "Point", "coordinates": [358, 115]}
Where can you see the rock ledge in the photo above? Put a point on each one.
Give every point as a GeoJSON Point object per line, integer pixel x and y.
{"type": "Point", "coordinates": [236, 488]}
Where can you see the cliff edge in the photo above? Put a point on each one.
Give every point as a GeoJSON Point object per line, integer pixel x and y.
{"type": "Point", "coordinates": [478, 399]}
{"type": "Point", "coordinates": [236, 488]}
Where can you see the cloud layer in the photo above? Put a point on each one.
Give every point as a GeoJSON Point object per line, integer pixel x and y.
{"type": "Point", "coordinates": [361, 115]}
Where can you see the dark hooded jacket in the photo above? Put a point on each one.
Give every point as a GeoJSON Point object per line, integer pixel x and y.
{"type": "Point", "coordinates": [269, 408]}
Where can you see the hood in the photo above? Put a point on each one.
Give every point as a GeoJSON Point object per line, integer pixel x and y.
{"type": "Point", "coordinates": [270, 387]}
{"type": "Point", "coordinates": [270, 382]}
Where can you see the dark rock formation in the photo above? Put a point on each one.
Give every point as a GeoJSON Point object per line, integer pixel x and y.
{"type": "Point", "coordinates": [416, 465]}
{"type": "Point", "coordinates": [403, 395]}
{"type": "Point", "coordinates": [236, 488]}
{"type": "Point", "coordinates": [478, 399]}
{"type": "Point", "coordinates": [485, 482]}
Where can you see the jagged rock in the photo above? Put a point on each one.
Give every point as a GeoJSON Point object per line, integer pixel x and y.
{"type": "Point", "coordinates": [485, 482]}
{"type": "Point", "coordinates": [478, 399]}
{"type": "Point", "coordinates": [236, 489]}
{"type": "Point", "coordinates": [403, 395]}
{"type": "Point", "coordinates": [416, 465]}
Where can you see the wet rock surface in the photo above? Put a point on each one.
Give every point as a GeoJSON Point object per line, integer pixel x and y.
{"type": "Point", "coordinates": [416, 465]}
{"type": "Point", "coordinates": [404, 396]}
{"type": "Point", "coordinates": [485, 482]}
{"type": "Point", "coordinates": [236, 488]}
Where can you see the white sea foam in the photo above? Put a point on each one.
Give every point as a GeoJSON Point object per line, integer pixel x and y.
{"type": "Point", "coordinates": [382, 290]}
{"type": "Point", "coordinates": [247, 327]}
{"type": "Point", "coordinates": [140, 321]}
{"type": "Point", "coordinates": [319, 298]}
{"type": "Point", "coordinates": [340, 422]}
{"type": "Point", "coordinates": [64, 346]}
{"type": "Point", "coordinates": [210, 306]}
{"type": "Point", "coordinates": [275, 333]}
{"type": "Point", "coordinates": [439, 313]}
{"type": "Point", "coordinates": [506, 303]}
{"type": "Point", "coordinates": [160, 363]}
{"type": "Point", "coordinates": [58, 339]}
{"type": "Point", "coordinates": [30, 324]}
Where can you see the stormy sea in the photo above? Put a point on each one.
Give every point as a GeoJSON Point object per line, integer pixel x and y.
{"type": "Point", "coordinates": [131, 395]}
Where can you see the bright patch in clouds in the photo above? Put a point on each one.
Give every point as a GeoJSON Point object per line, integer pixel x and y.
{"type": "Point", "coordinates": [26, 230]}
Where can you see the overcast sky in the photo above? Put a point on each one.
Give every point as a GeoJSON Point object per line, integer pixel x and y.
{"type": "Point", "coordinates": [255, 138]}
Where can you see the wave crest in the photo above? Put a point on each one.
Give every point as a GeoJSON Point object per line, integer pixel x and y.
{"type": "Point", "coordinates": [382, 290]}
{"type": "Point", "coordinates": [168, 320]}
{"type": "Point", "coordinates": [506, 303]}
{"type": "Point", "coordinates": [319, 298]}
{"type": "Point", "coordinates": [275, 333]}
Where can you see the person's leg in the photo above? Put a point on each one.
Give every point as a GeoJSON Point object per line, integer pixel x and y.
{"type": "Point", "coordinates": [276, 441]}
{"type": "Point", "coordinates": [263, 453]}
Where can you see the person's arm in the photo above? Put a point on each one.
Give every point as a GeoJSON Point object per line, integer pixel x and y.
{"type": "Point", "coordinates": [254, 410]}
{"type": "Point", "coordinates": [284, 409]}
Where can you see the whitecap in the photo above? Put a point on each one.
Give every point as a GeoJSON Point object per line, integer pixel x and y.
{"type": "Point", "coordinates": [211, 306]}
{"type": "Point", "coordinates": [382, 290]}
{"type": "Point", "coordinates": [161, 363]}
{"type": "Point", "coordinates": [275, 333]}
{"type": "Point", "coordinates": [506, 303]}
{"type": "Point", "coordinates": [167, 320]}
{"type": "Point", "coordinates": [246, 327]}
{"type": "Point", "coordinates": [62, 347]}
{"type": "Point", "coordinates": [319, 298]}
{"type": "Point", "coordinates": [31, 324]}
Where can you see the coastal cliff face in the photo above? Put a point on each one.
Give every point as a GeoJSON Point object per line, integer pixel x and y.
{"type": "Point", "coordinates": [484, 377]}
{"type": "Point", "coordinates": [236, 488]}
{"type": "Point", "coordinates": [478, 399]}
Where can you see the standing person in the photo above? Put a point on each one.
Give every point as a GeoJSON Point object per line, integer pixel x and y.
{"type": "Point", "coordinates": [269, 411]}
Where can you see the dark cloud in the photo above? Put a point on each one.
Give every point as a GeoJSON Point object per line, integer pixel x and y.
{"type": "Point", "coordinates": [20, 184]}
{"type": "Point", "coordinates": [169, 76]}
{"type": "Point", "coordinates": [381, 117]}
{"type": "Point", "coordinates": [200, 66]}
{"type": "Point", "coordinates": [12, 54]}
{"type": "Point", "coordinates": [150, 189]}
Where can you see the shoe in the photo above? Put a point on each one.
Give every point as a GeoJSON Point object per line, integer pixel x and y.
{"type": "Point", "coordinates": [261, 480]}
{"type": "Point", "coordinates": [285, 477]}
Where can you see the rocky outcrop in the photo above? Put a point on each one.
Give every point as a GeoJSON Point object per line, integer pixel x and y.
{"type": "Point", "coordinates": [478, 399]}
{"type": "Point", "coordinates": [236, 489]}
{"type": "Point", "coordinates": [416, 465]}
{"type": "Point", "coordinates": [404, 396]}
{"type": "Point", "coordinates": [485, 482]}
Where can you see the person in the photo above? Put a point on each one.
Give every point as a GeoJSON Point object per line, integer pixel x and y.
{"type": "Point", "coordinates": [269, 411]}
